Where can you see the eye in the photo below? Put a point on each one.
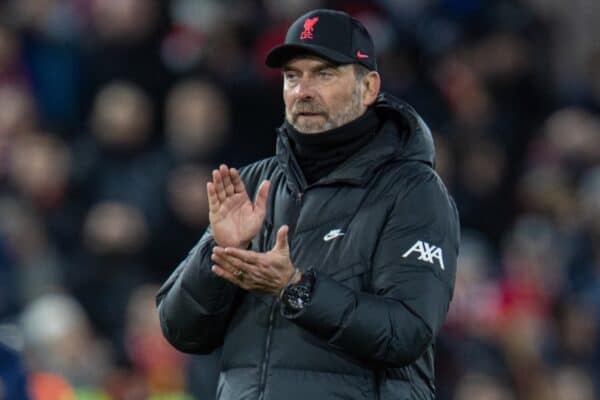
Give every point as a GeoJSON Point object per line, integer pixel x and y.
{"type": "Point", "coordinates": [325, 74]}
{"type": "Point", "coordinates": [290, 76]}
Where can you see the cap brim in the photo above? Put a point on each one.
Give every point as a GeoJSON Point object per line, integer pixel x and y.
{"type": "Point", "coordinates": [279, 55]}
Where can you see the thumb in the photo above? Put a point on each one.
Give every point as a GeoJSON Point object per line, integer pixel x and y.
{"type": "Point", "coordinates": [262, 195]}
{"type": "Point", "coordinates": [282, 239]}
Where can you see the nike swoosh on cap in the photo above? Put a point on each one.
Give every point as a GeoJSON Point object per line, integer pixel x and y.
{"type": "Point", "coordinates": [359, 54]}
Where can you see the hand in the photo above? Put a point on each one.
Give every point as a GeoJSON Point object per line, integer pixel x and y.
{"type": "Point", "coordinates": [268, 272]}
{"type": "Point", "coordinates": [233, 218]}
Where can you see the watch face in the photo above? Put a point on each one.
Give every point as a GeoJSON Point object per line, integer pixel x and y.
{"type": "Point", "coordinates": [297, 296]}
{"type": "Point", "coordinates": [296, 303]}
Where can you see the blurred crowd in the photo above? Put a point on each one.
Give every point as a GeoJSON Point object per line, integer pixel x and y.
{"type": "Point", "coordinates": [114, 112]}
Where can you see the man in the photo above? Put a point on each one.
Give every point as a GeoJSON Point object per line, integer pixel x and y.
{"type": "Point", "coordinates": [333, 283]}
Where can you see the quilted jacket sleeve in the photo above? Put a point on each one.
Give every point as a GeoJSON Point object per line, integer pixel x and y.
{"type": "Point", "coordinates": [413, 278]}
{"type": "Point", "coordinates": [194, 304]}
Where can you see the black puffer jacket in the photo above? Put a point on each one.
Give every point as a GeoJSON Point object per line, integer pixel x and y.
{"type": "Point", "coordinates": [382, 288]}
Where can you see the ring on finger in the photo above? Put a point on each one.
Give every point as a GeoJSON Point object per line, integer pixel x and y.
{"type": "Point", "coordinates": [239, 274]}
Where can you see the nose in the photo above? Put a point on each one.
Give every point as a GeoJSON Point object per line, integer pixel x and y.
{"type": "Point", "coordinates": [305, 89]}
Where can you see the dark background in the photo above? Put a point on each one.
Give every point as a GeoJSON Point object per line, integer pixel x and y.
{"type": "Point", "coordinates": [113, 113]}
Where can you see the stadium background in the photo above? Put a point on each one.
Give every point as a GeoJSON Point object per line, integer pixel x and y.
{"type": "Point", "coordinates": [113, 112]}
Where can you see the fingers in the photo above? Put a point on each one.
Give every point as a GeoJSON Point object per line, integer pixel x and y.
{"type": "Point", "coordinates": [217, 257]}
{"type": "Point", "coordinates": [262, 196]}
{"type": "Point", "coordinates": [236, 180]}
{"type": "Point", "coordinates": [213, 199]}
{"type": "Point", "coordinates": [235, 265]}
{"type": "Point", "coordinates": [223, 273]}
{"type": "Point", "coordinates": [218, 183]}
{"type": "Point", "coordinates": [282, 238]}
{"type": "Point", "coordinates": [267, 272]}
{"type": "Point", "coordinates": [226, 178]}
{"type": "Point", "coordinates": [247, 256]}
{"type": "Point", "coordinates": [226, 182]}
{"type": "Point", "coordinates": [238, 271]}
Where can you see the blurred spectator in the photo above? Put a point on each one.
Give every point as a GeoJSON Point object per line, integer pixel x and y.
{"type": "Point", "coordinates": [17, 116]}
{"type": "Point", "coordinates": [58, 19]}
{"type": "Point", "coordinates": [547, 190]}
{"type": "Point", "coordinates": [573, 383]}
{"type": "Point", "coordinates": [114, 229]}
{"type": "Point", "coordinates": [123, 44]}
{"type": "Point", "coordinates": [183, 47]}
{"type": "Point", "coordinates": [476, 305]}
{"type": "Point", "coordinates": [39, 172]}
{"type": "Point", "coordinates": [578, 329]}
{"type": "Point", "coordinates": [159, 363]}
{"type": "Point", "coordinates": [110, 266]}
{"type": "Point", "coordinates": [39, 169]}
{"type": "Point", "coordinates": [481, 387]}
{"type": "Point", "coordinates": [186, 217]}
{"type": "Point", "coordinates": [34, 263]}
{"type": "Point", "coordinates": [52, 55]}
{"type": "Point", "coordinates": [187, 194]}
{"type": "Point", "coordinates": [470, 338]}
{"type": "Point", "coordinates": [122, 117]}
{"type": "Point", "coordinates": [533, 274]}
{"type": "Point", "coordinates": [123, 20]}
{"type": "Point", "coordinates": [481, 178]}
{"type": "Point", "coordinates": [464, 92]}
{"type": "Point", "coordinates": [570, 137]}
{"type": "Point", "coordinates": [12, 69]}
{"type": "Point", "coordinates": [59, 340]}
{"type": "Point", "coordinates": [573, 27]}
{"type": "Point", "coordinates": [584, 259]}
{"type": "Point", "coordinates": [197, 119]}
{"type": "Point", "coordinates": [119, 162]}
{"type": "Point", "coordinates": [533, 270]}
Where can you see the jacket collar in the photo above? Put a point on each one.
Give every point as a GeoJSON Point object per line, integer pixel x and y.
{"type": "Point", "coordinates": [403, 135]}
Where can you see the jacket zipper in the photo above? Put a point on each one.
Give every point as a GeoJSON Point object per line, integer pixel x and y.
{"type": "Point", "coordinates": [265, 363]}
{"type": "Point", "coordinates": [263, 373]}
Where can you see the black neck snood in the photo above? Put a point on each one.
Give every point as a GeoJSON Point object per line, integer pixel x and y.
{"type": "Point", "coordinates": [319, 154]}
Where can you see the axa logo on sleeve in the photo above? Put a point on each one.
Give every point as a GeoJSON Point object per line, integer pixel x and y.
{"type": "Point", "coordinates": [427, 253]}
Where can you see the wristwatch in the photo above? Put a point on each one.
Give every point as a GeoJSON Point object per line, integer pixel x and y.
{"type": "Point", "coordinates": [299, 295]}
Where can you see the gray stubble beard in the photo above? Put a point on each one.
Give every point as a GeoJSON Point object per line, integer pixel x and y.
{"type": "Point", "coordinates": [347, 114]}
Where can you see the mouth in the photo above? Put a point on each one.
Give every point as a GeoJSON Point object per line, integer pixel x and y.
{"type": "Point", "coordinates": [309, 115]}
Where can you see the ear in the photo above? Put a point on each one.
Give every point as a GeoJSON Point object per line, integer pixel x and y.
{"type": "Point", "coordinates": [371, 86]}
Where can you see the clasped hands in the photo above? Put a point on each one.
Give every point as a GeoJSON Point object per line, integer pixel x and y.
{"type": "Point", "coordinates": [235, 220]}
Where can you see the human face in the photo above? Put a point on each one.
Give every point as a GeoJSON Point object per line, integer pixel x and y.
{"type": "Point", "coordinates": [320, 96]}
